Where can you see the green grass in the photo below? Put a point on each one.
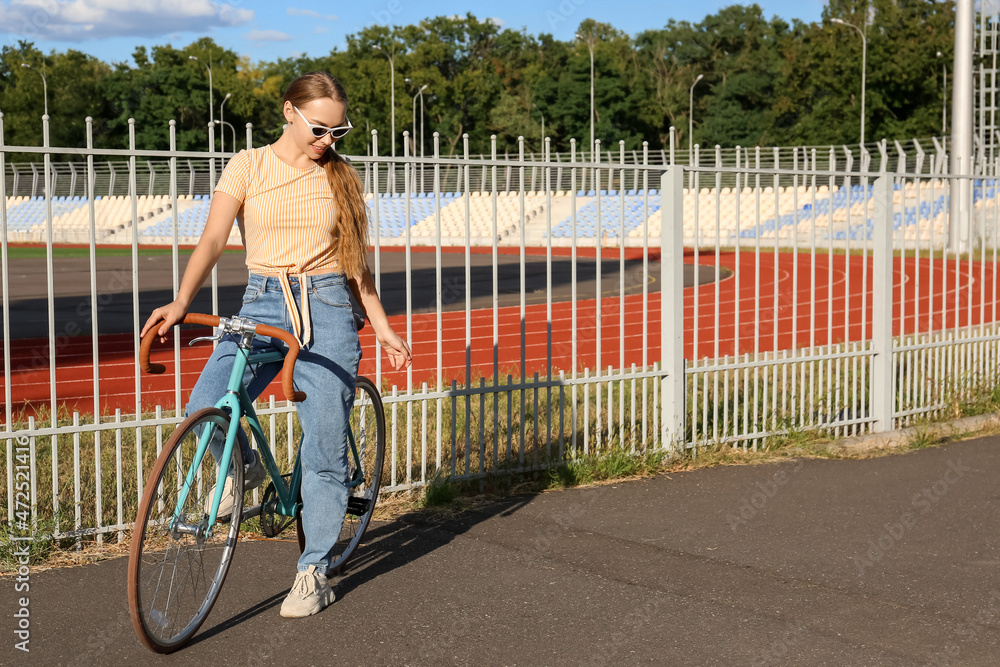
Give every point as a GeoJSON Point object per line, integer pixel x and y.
{"type": "Point", "coordinates": [39, 549]}
{"type": "Point", "coordinates": [615, 464]}
{"type": "Point", "coordinates": [922, 437]}
{"type": "Point", "coordinates": [440, 491]}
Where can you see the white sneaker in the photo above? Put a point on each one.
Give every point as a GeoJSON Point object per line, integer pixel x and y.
{"type": "Point", "coordinates": [310, 593]}
{"type": "Point", "coordinates": [254, 473]}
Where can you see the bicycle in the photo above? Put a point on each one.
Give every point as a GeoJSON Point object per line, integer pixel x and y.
{"type": "Point", "coordinates": [181, 549]}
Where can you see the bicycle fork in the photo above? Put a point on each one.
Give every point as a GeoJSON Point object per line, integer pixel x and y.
{"type": "Point", "coordinates": [203, 529]}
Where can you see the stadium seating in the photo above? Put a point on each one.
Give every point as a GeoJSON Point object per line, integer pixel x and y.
{"type": "Point", "coordinates": [606, 215]}
{"type": "Point", "coordinates": [725, 216]}
{"type": "Point", "coordinates": [71, 218]}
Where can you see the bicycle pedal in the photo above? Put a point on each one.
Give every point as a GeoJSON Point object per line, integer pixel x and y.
{"type": "Point", "coordinates": [357, 506]}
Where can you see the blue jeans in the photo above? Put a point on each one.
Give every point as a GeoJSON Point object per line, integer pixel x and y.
{"type": "Point", "coordinates": [327, 370]}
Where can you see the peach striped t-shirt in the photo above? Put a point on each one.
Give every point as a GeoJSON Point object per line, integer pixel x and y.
{"type": "Point", "coordinates": [289, 220]}
{"type": "Point", "coordinates": [289, 215]}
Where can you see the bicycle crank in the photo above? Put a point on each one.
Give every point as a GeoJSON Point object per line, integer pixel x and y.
{"type": "Point", "coordinates": [272, 523]}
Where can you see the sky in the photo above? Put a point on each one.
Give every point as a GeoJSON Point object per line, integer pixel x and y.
{"type": "Point", "coordinates": [111, 29]}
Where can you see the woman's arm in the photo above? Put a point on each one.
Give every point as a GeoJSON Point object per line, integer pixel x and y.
{"type": "Point", "coordinates": [205, 256]}
{"type": "Point", "coordinates": [363, 287]}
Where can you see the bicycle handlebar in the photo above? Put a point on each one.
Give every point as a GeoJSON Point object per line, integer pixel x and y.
{"type": "Point", "coordinates": [287, 368]}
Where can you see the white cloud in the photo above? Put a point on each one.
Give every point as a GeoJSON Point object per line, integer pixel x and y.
{"type": "Point", "coordinates": [292, 11]}
{"type": "Point", "coordinates": [81, 20]}
{"type": "Point", "coordinates": [320, 29]}
{"type": "Point", "coordinates": [268, 36]}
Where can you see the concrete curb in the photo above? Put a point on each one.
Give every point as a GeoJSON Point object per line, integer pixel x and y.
{"type": "Point", "coordinates": [902, 437]}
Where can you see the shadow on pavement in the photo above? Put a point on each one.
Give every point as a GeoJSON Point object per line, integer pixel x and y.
{"type": "Point", "coordinates": [388, 546]}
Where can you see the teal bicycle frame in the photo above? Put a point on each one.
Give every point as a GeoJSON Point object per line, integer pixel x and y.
{"type": "Point", "coordinates": [237, 403]}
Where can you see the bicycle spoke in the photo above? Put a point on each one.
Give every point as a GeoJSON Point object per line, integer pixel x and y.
{"type": "Point", "coordinates": [177, 570]}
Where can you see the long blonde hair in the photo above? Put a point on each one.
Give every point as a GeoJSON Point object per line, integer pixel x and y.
{"type": "Point", "coordinates": [348, 193]}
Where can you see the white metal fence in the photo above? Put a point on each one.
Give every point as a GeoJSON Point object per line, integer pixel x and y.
{"type": "Point", "coordinates": [25, 176]}
{"type": "Point", "coordinates": [596, 304]}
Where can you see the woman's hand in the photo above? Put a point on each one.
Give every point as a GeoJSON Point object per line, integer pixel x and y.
{"type": "Point", "coordinates": [397, 349]}
{"type": "Point", "coordinates": [168, 315]}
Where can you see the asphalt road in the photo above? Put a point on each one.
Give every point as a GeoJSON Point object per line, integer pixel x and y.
{"type": "Point", "coordinates": [887, 561]}
{"type": "Point", "coordinates": [29, 316]}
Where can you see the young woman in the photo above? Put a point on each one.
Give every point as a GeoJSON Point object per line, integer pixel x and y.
{"type": "Point", "coordinates": [301, 211]}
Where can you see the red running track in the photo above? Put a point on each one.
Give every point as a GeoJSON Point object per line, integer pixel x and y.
{"type": "Point", "coordinates": [796, 296]}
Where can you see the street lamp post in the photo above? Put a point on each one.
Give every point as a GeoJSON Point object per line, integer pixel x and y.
{"type": "Point", "coordinates": [222, 119]}
{"type": "Point", "coordinates": [392, 91]}
{"type": "Point", "coordinates": [392, 101]}
{"type": "Point", "coordinates": [590, 46]}
{"type": "Point", "coordinates": [691, 119]}
{"type": "Point", "coordinates": [222, 123]}
{"type": "Point", "coordinates": [420, 94]}
{"type": "Point", "coordinates": [864, 68]}
{"type": "Point", "coordinates": [357, 108]}
{"type": "Point", "coordinates": [944, 94]}
{"type": "Point", "coordinates": [45, 86]}
{"type": "Point", "coordinates": [422, 136]}
{"type": "Point", "coordinates": [211, 103]}
{"type": "Point", "coordinates": [541, 146]}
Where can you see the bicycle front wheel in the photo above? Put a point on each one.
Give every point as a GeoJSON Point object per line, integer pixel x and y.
{"type": "Point", "coordinates": [177, 562]}
{"type": "Point", "coordinates": [367, 424]}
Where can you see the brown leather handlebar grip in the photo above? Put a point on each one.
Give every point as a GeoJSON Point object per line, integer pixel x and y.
{"type": "Point", "coordinates": [287, 368]}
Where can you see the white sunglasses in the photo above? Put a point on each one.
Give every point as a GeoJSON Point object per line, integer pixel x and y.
{"type": "Point", "coordinates": [320, 131]}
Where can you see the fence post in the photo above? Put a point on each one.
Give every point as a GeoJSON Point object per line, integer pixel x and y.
{"type": "Point", "coordinates": [882, 380]}
{"type": "Point", "coordinates": [672, 306]}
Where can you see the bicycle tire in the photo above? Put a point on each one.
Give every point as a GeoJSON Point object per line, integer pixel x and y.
{"type": "Point", "coordinates": [174, 578]}
{"type": "Point", "coordinates": [367, 422]}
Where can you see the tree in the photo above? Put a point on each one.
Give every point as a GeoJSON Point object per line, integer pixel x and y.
{"type": "Point", "coordinates": [766, 82]}
{"type": "Point", "coordinates": [73, 94]}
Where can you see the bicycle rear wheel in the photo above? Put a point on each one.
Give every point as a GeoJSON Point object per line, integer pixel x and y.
{"type": "Point", "coordinates": [367, 423]}
{"type": "Point", "coordinates": [176, 567]}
